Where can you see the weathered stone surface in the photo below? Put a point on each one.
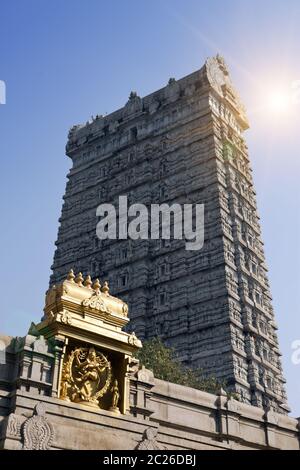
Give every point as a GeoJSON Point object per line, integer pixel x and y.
{"type": "Point", "coordinates": [160, 415]}
{"type": "Point", "coordinates": [178, 418]}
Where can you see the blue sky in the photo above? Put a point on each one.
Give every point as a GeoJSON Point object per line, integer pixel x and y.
{"type": "Point", "coordinates": [65, 60]}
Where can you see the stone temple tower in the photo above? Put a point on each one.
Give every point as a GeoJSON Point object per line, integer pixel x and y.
{"type": "Point", "coordinates": [183, 143]}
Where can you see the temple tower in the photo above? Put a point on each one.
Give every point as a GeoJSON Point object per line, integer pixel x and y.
{"type": "Point", "coordinates": [181, 144]}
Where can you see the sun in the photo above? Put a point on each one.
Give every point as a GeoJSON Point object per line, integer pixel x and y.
{"type": "Point", "coordinates": [278, 101]}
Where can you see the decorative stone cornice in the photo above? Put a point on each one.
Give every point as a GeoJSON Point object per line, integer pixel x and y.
{"type": "Point", "coordinates": [38, 432]}
{"type": "Point", "coordinates": [218, 76]}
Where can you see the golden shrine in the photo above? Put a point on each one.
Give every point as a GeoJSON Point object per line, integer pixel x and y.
{"type": "Point", "coordinates": [96, 357]}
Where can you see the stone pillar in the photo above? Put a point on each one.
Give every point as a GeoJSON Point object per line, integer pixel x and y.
{"type": "Point", "coordinates": [140, 393]}
{"type": "Point", "coordinates": [228, 417]}
{"type": "Point", "coordinates": [59, 352]}
{"type": "Point", "coordinates": [271, 421]}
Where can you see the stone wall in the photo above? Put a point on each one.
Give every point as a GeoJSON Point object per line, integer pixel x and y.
{"type": "Point", "coordinates": [162, 415]}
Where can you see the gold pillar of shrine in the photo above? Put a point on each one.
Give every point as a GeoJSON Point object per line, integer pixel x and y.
{"type": "Point", "coordinates": [94, 366]}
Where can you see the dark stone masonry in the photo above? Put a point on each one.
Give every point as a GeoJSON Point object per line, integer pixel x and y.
{"type": "Point", "coordinates": [181, 144]}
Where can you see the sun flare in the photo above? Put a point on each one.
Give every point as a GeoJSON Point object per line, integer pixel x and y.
{"type": "Point", "coordinates": [278, 101]}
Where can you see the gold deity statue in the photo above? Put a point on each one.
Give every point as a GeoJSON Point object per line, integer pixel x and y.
{"type": "Point", "coordinates": [65, 383]}
{"type": "Point", "coordinates": [115, 397]}
{"type": "Point", "coordinates": [86, 376]}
